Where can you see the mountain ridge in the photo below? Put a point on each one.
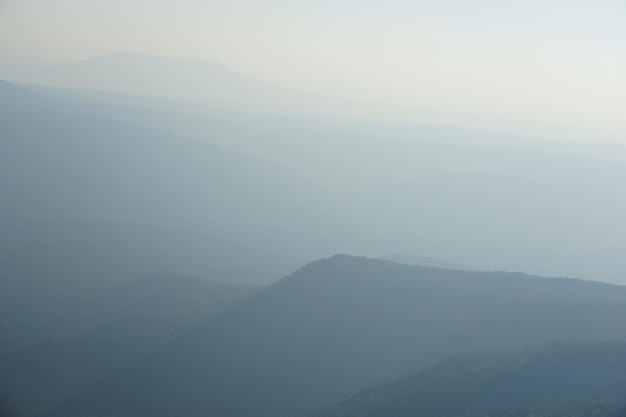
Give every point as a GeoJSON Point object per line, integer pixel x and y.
{"type": "Point", "coordinates": [187, 79]}
{"type": "Point", "coordinates": [343, 322]}
{"type": "Point", "coordinates": [557, 380]}
{"type": "Point", "coordinates": [59, 164]}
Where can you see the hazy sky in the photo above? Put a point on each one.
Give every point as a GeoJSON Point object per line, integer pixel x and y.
{"type": "Point", "coordinates": [527, 64]}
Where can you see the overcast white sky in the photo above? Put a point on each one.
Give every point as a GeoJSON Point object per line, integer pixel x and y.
{"type": "Point", "coordinates": [529, 65]}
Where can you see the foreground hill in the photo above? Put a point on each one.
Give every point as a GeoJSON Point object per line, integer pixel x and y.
{"type": "Point", "coordinates": [559, 381]}
{"type": "Point", "coordinates": [48, 355]}
{"type": "Point", "coordinates": [343, 323]}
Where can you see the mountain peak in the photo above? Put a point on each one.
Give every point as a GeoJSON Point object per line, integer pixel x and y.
{"type": "Point", "coordinates": [187, 79]}
{"type": "Point", "coordinates": [125, 54]}
{"type": "Point", "coordinates": [135, 56]}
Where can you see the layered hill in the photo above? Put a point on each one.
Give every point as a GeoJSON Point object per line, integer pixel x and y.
{"type": "Point", "coordinates": [342, 323]}
{"type": "Point", "coordinates": [173, 78]}
{"type": "Point", "coordinates": [90, 202]}
{"type": "Point", "coordinates": [473, 197]}
{"type": "Point", "coordinates": [88, 166]}
{"type": "Point", "coordinates": [150, 199]}
{"type": "Point", "coordinates": [558, 381]}
{"type": "Point", "coordinates": [49, 354]}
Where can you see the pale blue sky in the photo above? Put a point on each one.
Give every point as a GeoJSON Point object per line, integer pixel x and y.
{"type": "Point", "coordinates": [504, 63]}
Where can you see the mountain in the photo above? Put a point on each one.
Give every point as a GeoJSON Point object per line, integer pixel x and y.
{"type": "Point", "coordinates": [173, 78]}
{"type": "Point", "coordinates": [14, 98]}
{"type": "Point", "coordinates": [342, 323]}
{"type": "Point", "coordinates": [439, 191]}
{"type": "Point", "coordinates": [180, 204]}
{"type": "Point", "coordinates": [93, 167]}
{"type": "Point", "coordinates": [557, 381]}
{"type": "Point", "coordinates": [89, 203]}
{"type": "Point", "coordinates": [97, 334]}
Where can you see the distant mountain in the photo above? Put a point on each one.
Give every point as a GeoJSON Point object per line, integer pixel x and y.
{"type": "Point", "coordinates": [9, 90]}
{"type": "Point", "coordinates": [558, 381]}
{"type": "Point", "coordinates": [174, 78]}
{"type": "Point", "coordinates": [14, 98]}
{"type": "Point", "coordinates": [94, 167]}
{"type": "Point", "coordinates": [146, 193]}
{"type": "Point", "coordinates": [432, 190]}
{"type": "Point", "coordinates": [342, 323]}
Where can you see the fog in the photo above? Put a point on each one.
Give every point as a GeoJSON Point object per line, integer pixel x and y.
{"type": "Point", "coordinates": [550, 69]}
{"type": "Point", "coordinates": [312, 209]}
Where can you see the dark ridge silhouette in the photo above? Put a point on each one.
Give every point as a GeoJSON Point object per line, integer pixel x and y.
{"type": "Point", "coordinates": [560, 380]}
{"type": "Point", "coordinates": [343, 323]}
{"type": "Point", "coordinates": [90, 336]}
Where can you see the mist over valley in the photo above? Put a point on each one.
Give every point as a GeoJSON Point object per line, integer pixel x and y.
{"type": "Point", "coordinates": [330, 210]}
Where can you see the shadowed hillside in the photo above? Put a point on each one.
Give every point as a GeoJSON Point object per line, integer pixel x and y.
{"type": "Point", "coordinates": [343, 323]}
{"type": "Point", "coordinates": [50, 351]}
{"type": "Point", "coordinates": [559, 381]}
